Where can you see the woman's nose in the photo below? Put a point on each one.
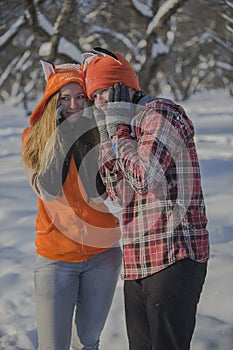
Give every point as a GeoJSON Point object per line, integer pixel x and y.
{"type": "Point", "coordinates": [74, 103]}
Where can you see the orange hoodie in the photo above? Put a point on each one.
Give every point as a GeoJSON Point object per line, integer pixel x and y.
{"type": "Point", "coordinates": [69, 228]}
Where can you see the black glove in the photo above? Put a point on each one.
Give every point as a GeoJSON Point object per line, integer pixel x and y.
{"type": "Point", "coordinates": [120, 110]}
{"type": "Point", "coordinates": [138, 96]}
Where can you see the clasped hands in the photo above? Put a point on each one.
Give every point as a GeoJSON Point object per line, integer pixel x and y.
{"type": "Point", "coordinates": [119, 111]}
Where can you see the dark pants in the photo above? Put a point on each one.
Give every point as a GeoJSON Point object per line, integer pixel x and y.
{"type": "Point", "coordinates": [161, 308]}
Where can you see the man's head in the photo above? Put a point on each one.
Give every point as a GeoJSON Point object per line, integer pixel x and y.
{"type": "Point", "coordinates": [104, 70]}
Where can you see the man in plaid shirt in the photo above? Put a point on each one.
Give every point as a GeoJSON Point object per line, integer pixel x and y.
{"type": "Point", "coordinates": [149, 164]}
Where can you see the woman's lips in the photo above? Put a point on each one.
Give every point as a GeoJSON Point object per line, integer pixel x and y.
{"type": "Point", "coordinates": [72, 113]}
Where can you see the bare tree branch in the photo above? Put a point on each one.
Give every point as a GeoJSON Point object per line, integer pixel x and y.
{"type": "Point", "coordinates": [66, 10]}
{"type": "Point", "coordinates": [33, 21]}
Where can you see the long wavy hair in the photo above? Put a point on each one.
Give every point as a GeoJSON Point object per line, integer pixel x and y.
{"type": "Point", "coordinates": [40, 143]}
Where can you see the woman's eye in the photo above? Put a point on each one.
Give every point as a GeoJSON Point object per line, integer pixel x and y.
{"type": "Point", "coordinates": [68, 99]}
{"type": "Point", "coordinates": [64, 98]}
{"type": "Point", "coordinates": [81, 97]}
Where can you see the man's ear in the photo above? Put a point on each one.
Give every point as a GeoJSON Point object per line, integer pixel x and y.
{"type": "Point", "coordinates": [48, 68]}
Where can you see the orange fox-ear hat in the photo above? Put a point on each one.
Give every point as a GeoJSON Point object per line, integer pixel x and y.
{"type": "Point", "coordinates": [56, 77]}
{"type": "Point", "coordinates": [104, 71]}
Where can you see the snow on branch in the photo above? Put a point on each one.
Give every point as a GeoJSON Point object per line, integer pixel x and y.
{"type": "Point", "coordinates": [205, 36]}
{"type": "Point", "coordinates": [163, 12]}
{"type": "Point", "coordinates": [8, 70]}
{"type": "Point", "coordinates": [66, 47]}
{"type": "Point", "coordinates": [227, 18]}
{"type": "Point", "coordinates": [121, 37]}
{"type": "Point", "coordinates": [230, 29]}
{"type": "Point", "coordinates": [12, 31]}
{"type": "Point", "coordinates": [144, 9]}
{"type": "Point", "coordinates": [230, 4]}
{"type": "Point", "coordinates": [45, 24]}
{"type": "Point", "coordinates": [225, 66]}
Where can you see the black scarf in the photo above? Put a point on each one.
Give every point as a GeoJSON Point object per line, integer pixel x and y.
{"type": "Point", "coordinates": [86, 163]}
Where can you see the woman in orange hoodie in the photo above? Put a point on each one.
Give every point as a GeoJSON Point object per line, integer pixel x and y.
{"type": "Point", "coordinates": [77, 239]}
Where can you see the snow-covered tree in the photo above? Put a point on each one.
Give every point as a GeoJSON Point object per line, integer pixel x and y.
{"type": "Point", "coordinates": [176, 46]}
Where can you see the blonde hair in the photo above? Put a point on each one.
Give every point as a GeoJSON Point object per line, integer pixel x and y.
{"type": "Point", "coordinates": [42, 140]}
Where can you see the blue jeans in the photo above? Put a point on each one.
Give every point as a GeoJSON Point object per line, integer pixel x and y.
{"type": "Point", "coordinates": [64, 287]}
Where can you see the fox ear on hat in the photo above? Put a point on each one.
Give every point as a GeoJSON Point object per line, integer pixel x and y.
{"type": "Point", "coordinates": [48, 68]}
{"type": "Point", "coordinates": [87, 57]}
{"type": "Point", "coordinates": [88, 54]}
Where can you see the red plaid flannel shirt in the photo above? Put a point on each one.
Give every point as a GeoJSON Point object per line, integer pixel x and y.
{"type": "Point", "coordinates": [155, 177]}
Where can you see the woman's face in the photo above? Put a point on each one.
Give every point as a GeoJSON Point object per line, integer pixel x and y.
{"type": "Point", "coordinates": [72, 100]}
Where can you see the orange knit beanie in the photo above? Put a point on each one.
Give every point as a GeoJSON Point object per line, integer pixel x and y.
{"type": "Point", "coordinates": [105, 71]}
{"type": "Point", "coordinates": [56, 77]}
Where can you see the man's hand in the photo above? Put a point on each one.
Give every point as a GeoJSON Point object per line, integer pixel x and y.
{"type": "Point", "coordinates": [119, 93]}
{"type": "Point", "coordinates": [120, 110]}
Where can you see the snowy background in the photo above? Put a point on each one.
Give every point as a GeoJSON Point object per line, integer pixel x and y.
{"type": "Point", "coordinates": [212, 114]}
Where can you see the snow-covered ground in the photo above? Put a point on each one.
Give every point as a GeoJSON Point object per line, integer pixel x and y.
{"type": "Point", "coordinates": [212, 114]}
